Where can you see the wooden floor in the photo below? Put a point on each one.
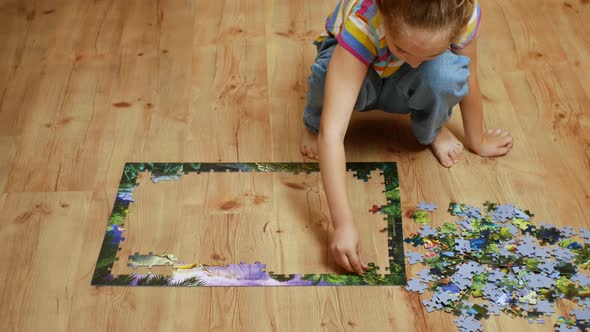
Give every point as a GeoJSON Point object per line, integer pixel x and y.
{"type": "Point", "coordinates": [86, 86]}
{"type": "Point", "coordinates": [279, 219]}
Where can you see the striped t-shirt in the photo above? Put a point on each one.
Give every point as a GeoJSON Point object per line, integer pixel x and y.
{"type": "Point", "coordinates": [359, 28]}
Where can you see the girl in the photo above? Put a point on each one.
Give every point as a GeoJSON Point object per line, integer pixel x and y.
{"type": "Point", "coordinates": [399, 56]}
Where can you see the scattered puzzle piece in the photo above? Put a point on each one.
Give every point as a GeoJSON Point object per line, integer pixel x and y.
{"type": "Point", "coordinates": [581, 314]}
{"type": "Point", "coordinates": [416, 285]}
{"type": "Point", "coordinates": [468, 324]}
{"type": "Point", "coordinates": [424, 206]}
{"type": "Point", "coordinates": [426, 231]}
{"type": "Point", "coordinates": [414, 257]}
{"type": "Point", "coordinates": [503, 257]}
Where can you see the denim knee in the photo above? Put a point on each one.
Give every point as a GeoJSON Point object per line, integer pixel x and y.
{"type": "Point", "coordinates": [445, 77]}
{"type": "Point", "coordinates": [442, 84]}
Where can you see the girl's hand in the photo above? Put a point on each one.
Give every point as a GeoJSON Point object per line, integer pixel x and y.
{"type": "Point", "coordinates": [345, 248]}
{"type": "Point", "coordinates": [494, 143]}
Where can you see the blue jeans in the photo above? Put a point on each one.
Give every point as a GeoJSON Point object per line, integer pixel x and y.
{"type": "Point", "coordinates": [428, 92]}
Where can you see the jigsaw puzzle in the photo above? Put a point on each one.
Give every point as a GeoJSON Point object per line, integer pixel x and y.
{"type": "Point", "coordinates": [242, 273]}
{"type": "Point", "coordinates": [499, 255]}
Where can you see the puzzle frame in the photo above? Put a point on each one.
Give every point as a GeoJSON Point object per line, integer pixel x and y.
{"type": "Point", "coordinates": [243, 274]}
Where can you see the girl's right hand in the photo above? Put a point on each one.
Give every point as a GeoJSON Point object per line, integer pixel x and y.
{"type": "Point", "coordinates": [346, 250]}
{"type": "Point", "coordinates": [494, 143]}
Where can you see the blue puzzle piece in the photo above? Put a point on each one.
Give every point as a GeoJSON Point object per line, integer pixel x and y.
{"type": "Point", "coordinates": [424, 206]}
{"type": "Point", "coordinates": [416, 286]}
{"type": "Point", "coordinates": [414, 257]}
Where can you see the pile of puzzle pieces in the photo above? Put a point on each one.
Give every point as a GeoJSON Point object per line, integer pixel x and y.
{"type": "Point", "coordinates": [499, 258]}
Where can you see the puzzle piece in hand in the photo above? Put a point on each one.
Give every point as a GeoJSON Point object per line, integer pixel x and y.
{"type": "Point", "coordinates": [414, 257]}
{"type": "Point", "coordinates": [430, 207]}
{"type": "Point", "coordinates": [416, 286]}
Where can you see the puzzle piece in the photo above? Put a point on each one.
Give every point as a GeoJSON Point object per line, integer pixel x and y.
{"type": "Point", "coordinates": [462, 246]}
{"type": "Point", "coordinates": [426, 231]}
{"type": "Point", "coordinates": [493, 308]}
{"type": "Point", "coordinates": [489, 247]}
{"type": "Point", "coordinates": [581, 314]}
{"type": "Point", "coordinates": [432, 305]}
{"type": "Point", "coordinates": [545, 307]}
{"type": "Point", "coordinates": [414, 257]}
{"type": "Point", "coordinates": [473, 212]}
{"type": "Point", "coordinates": [521, 215]}
{"type": "Point", "coordinates": [468, 324]}
{"type": "Point", "coordinates": [444, 297]}
{"type": "Point", "coordinates": [563, 254]}
{"type": "Point", "coordinates": [566, 328]}
{"type": "Point", "coordinates": [585, 234]}
{"type": "Point", "coordinates": [537, 281]}
{"type": "Point", "coordinates": [567, 231]}
{"type": "Point", "coordinates": [582, 279]}
{"type": "Point", "coordinates": [465, 224]}
{"type": "Point", "coordinates": [504, 212]}
{"type": "Point", "coordinates": [426, 276]}
{"type": "Point", "coordinates": [150, 260]}
{"type": "Point", "coordinates": [416, 286]}
{"type": "Point", "coordinates": [424, 206]}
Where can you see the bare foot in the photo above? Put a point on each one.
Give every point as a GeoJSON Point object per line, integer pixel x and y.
{"type": "Point", "coordinates": [447, 148]}
{"type": "Point", "coordinates": [309, 144]}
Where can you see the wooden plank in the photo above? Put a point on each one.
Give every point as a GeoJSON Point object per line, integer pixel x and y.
{"type": "Point", "coordinates": [8, 147]}
{"type": "Point", "coordinates": [41, 236]}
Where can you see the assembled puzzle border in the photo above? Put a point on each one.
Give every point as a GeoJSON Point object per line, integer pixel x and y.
{"type": "Point", "coordinates": [242, 274]}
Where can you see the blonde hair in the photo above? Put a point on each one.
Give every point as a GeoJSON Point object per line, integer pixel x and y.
{"type": "Point", "coordinates": [430, 15]}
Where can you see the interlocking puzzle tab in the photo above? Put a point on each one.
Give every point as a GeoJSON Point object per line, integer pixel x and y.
{"type": "Point", "coordinates": [501, 256]}
{"type": "Point", "coordinates": [243, 274]}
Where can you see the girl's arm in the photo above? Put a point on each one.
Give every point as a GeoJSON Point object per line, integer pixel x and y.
{"type": "Point", "coordinates": [343, 81]}
{"type": "Point", "coordinates": [487, 143]}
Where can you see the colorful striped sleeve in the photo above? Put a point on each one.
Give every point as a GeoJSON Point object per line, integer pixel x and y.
{"type": "Point", "coordinates": [470, 31]}
{"type": "Point", "coordinates": [356, 33]}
